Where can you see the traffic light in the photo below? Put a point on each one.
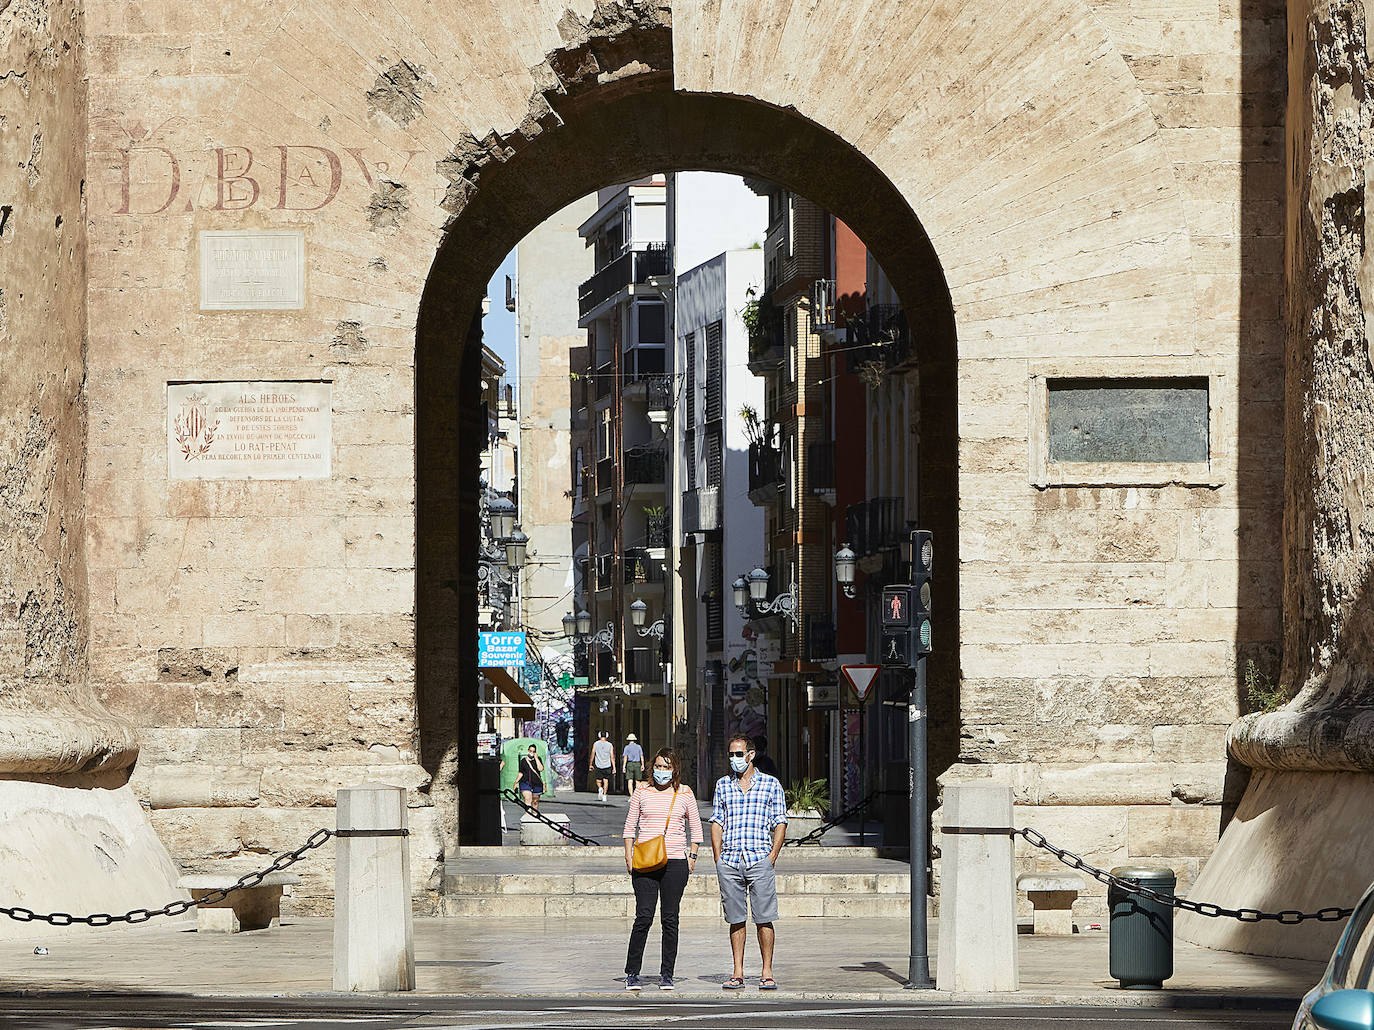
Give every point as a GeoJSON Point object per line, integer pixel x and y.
{"type": "Point", "coordinates": [922, 568]}
{"type": "Point", "coordinates": [897, 626]}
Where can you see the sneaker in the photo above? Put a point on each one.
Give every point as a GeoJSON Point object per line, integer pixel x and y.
{"type": "Point", "coordinates": [632, 983]}
{"type": "Point", "coordinates": [665, 983]}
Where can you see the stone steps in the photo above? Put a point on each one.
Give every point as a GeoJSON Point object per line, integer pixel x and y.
{"type": "Point", "coordinates": [597, 885]}
{"type": "Point", "coordinates": [694, 906]}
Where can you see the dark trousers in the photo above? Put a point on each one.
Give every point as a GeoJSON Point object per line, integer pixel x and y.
{"type": "Point", "coordinates": [668, 884]}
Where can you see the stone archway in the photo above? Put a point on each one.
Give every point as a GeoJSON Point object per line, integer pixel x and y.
{"type": "Point", "coordinates": [589, 148]}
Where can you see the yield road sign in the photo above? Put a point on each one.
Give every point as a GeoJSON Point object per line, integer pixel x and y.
{"type": "Point", "coordinates": [861, 677]}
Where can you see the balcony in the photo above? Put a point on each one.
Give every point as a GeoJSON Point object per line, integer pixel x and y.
{"type": "Point", "coordinates": [701, 510]}
{"type": "Point", "coordinates": [820, 470]}
{"type": "Point", "coordinates": [646, 466]}
{"type": "Point", "coordinates": [605, 571]}
{"type": "Point", "coordinates": [656, 529]}
{"type": "Point", "coordinates": [767, 340]}
{"type": "Point", "coordinates": [605, 380]}
{"type": "Point", "coordinates": [642, 363]}
{"type": "Point", "coordinates": [765, 473]}
{"type": "Point", "coordinates": [633, 268]}
{"type": "Point", "coordinates": [642, 567]}
{"type": "Point", "coordinates": [643, 665]}
{"type": "Point", "coordinates": [880, 335]}
{"type": "Point", "coordinates": [819, 645]}
{"type": "Point", "coordinates": [875, 525]}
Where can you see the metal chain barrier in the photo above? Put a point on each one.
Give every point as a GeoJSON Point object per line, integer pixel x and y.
{"type": "Point", "coordinates": [565, 831]}
{"type": "Point", "coordinates": [1289, 916]}
{"type": "Point", "coordinates": [834, 821]}
{"type": "Point", "coordinates": [174, 908]}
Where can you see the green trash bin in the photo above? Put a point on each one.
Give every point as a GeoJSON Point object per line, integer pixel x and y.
{"type": "Point", "coordinates": [1141, 943]}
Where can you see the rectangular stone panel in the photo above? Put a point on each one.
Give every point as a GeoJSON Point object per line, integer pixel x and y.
{"type": "Point", "coordinates": [249, 430]}
{"type": "Point", "coordinates": [252, 270]}
{"type": "Point", "coordinates": [1128, 420]}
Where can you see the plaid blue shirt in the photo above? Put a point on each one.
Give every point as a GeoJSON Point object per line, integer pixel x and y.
{"type": "Point", "coordinates": [747, 817]}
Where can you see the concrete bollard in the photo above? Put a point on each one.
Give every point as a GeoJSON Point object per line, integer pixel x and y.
{"type": "Point", "coordinates": [374, 941]}
{"type": "Point", "coordinates": [977, 945]}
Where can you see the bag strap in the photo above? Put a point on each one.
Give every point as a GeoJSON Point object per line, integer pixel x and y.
{"type": "Point", "coordinates": [668, 822]}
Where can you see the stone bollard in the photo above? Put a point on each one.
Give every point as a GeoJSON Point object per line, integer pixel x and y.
{"type": "Point", "coordinates": [374, 943]}
{"type": "Point", "coordinates": [977, 944]}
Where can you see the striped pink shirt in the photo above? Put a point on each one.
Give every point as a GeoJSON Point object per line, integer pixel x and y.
{"type": "Point", "coordinates": [649, 811]}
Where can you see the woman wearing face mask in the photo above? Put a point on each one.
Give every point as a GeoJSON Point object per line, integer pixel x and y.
{"type": "Point", "coordinates": [662, 807]}
{"type": "Point", "coordinates": [532, 777]}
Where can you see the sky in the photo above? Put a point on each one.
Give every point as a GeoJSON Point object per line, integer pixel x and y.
{"type": "Point", "coordinates": [715, 213]}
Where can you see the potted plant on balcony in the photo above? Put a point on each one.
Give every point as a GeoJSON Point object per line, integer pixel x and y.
{"type": "Point", "coordinates": [808, 801]}
{"type": "Point", "coordinates": [656, 525]}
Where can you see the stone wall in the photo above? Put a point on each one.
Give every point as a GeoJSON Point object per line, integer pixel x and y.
{"type": "Point", "coordinates": [1098, 195]}
{"type": "Point", "coordinates": [72, 835]}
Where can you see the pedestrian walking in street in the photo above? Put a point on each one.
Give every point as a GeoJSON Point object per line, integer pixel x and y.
{"type": "Point", "coordinates": [632, 765]}
{"type": "Point", "coordinates": [748, 824]}
{"type": "Point", "coordinates": [659, 856]}
{"type": "Point", "coordinates": [532, 777]}
{"type": "Point", "coordinates": [602, 764]}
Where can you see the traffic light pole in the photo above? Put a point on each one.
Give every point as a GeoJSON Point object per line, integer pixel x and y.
{"type": "Point", "coordinates": [918, 975]}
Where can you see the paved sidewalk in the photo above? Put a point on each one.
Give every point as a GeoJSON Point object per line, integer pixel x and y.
{"type": "Point", "coordinates": [860, 959]}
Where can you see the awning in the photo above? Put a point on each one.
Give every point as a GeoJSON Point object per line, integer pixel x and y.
{"type": "Point", "coordinates": [522, 705]}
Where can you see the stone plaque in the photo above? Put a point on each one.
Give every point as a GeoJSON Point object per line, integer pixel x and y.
{"type": "Point", "coordinates": [1128, 420]}
{"type": "Point", "coordinates": [252, 270]}
{"type": "Point", "coordinates": [248, 430]}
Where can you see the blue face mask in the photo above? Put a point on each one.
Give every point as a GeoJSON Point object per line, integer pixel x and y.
{"type": "Point", "coordinates": [663, 776]}
{"type": "Point", "coordinates": [739, 764]}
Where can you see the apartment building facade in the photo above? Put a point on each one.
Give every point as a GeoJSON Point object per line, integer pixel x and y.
{"type": "Point", "coordinates": [622, 393]}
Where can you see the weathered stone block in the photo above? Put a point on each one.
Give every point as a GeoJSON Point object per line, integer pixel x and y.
{"type": "Point", "coordinates": [203, 786]}
{"type": "Point", "coordinates": [1172, 830]}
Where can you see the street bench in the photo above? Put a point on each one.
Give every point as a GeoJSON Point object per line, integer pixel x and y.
{"type": "Point", "coordinates": [1051, 896]}
{"type": "Point", "coordinates": [252, 908]}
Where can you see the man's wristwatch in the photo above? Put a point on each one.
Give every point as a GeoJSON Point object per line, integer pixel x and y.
{"type": "Point", "coordinates": [693, 854]}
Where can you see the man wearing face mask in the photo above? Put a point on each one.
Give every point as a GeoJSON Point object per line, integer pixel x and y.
{"type": "Point", "coordinates": [748, 824]}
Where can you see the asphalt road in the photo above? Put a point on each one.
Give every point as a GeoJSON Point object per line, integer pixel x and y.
{"type": "Point", "coordinates": [126, 1012]}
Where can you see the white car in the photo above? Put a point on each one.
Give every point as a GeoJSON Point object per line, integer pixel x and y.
{"type": "Point", "coordinates": [1343, 998]}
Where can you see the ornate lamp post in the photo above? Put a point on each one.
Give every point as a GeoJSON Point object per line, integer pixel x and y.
{"type": "Point", "coordinates": [755, 605]}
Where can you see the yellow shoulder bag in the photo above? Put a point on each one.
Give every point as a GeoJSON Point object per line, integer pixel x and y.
{"type": "Point", "coordinates": [652, 855]}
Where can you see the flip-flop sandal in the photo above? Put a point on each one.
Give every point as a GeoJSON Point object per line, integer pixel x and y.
{"type": "Point", "coordinates": [768, 984]}
{"type": "Point", "coordinates": [735, 983]}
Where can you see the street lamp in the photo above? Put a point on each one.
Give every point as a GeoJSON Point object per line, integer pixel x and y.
{"type": "Point", "coordinates": [845, 564]}
{"type": "Point", "coordinates": [741, 590]}
{"type": "Point", "coordinates": [578, 629]}
{"type": "Point", "coordinates": [515, 549]}
{"type": "Point", "coordinates": [755, 604]}
{"type": "Point", "coordinates": [502, 514]}
{"type": "Point", "coordinates": [639, 612]}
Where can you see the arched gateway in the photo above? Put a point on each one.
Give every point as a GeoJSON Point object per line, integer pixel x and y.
{"type": "Point", "coordinates": [1060, 192]}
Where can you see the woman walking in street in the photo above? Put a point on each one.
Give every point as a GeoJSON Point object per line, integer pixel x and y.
{"type": "Point", "coordinates": [660, 856]}
{"type": "Point", "coordinates": [532, 777]}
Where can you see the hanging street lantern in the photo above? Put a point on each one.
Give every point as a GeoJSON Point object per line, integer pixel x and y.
{"type": "Point", "coordinates": [584, 623]}
{"type": "Point", "coordinates": [639, 612]}
{"type": "Point", "coordinates": [502, 514]}
{"type": "Point", "coordinates": [570, 625]}
{"type": "Point", "coordinates": [845, 565]}
{"type": "Point", "coordinates": [741, 590]}
{"type": "Point", "coordinates": [758, 584]}
{"type": "Point", "coordinates": [515, 549]}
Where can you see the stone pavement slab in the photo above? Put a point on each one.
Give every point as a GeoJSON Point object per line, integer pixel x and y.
{"type": "Point", "coordinates": [823, 958]}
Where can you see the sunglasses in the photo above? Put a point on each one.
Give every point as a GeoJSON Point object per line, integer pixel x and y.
{"type": "Point", "coordinates": [738, 754]}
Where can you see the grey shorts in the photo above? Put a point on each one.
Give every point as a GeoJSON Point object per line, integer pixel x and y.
{"type": "Point", "coordinates": [758, 883]}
